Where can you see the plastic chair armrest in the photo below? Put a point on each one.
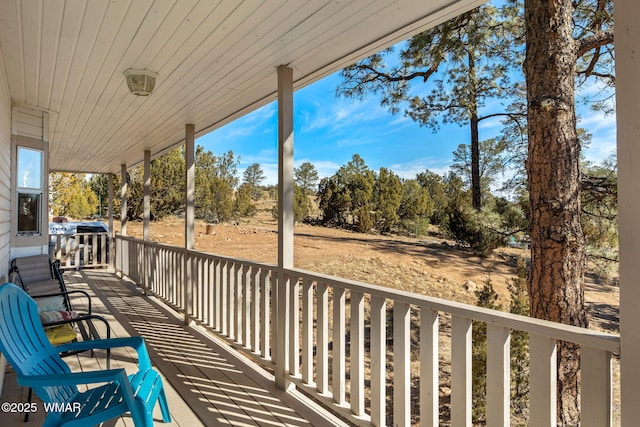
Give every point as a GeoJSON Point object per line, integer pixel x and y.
{"type": "Point", "coordinates": [81, 317]}
{"type": "Point", "coordinates": [74, 378]}
{"type": "Point", "coordinates": [137, 343]}
{"type": "Point", "coordinates": [67, 293]}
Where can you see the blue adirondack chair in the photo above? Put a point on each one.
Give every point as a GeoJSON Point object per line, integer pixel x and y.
{"type": "Point", "coordinates": [38, 365]}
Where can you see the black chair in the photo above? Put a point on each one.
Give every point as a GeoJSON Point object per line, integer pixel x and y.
{"type": "Point", "coordinates": [43, 281]}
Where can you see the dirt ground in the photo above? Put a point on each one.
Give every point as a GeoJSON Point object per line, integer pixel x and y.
{"type": "Point", "coordinates": [429, 266]}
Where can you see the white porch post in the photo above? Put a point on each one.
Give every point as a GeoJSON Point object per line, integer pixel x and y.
{"type": "Point", "coordinates": [146, 217]}
{"type": "Point", "coordinates": [285, 217]}
{"type": "Point", "coordinates": [627, 36]}
{"type": "Point", "coordinates": [123, 199]}
{"type": "Point", "coordinates": [146, 221]}
{"type": "Point", "coordinates": [189, 217]}
{"type": "Point", "coordinates": [124, 253]}
{"type": "Point", "coordinates": [110, 241]}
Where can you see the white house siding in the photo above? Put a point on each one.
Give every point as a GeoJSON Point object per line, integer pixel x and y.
{"type": "Point", "coordinates": [5, 188]}
{"type": "Point", "coordinates": [5, 175]}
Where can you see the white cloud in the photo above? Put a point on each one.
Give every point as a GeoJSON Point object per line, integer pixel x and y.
{"type": "Point", "coordinates": [342, 114]}
{"type": "Point", "coordinates": [270, 169]}
{"type": "Point", "coordinates": [325, 168]}
{"type": "Point", "coordinates": [263, 156]}
{"type": "Point", "coordinates": [409, 170]}
{"type": "Point", "coordinates": [251, 124]}
{"type": "Point", "coordinates": [603, 130]}
{"type": "Point", "coordinates": [270, 172]}
{"type": "Point", "coordinates": [491, 123]}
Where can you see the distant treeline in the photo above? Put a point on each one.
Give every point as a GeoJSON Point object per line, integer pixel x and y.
{"type": "Point", "coordinates": [355, 197]}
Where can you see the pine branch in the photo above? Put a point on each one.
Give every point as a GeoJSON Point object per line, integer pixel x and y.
{"type": "Point", "coordinates": [594, 41]}
{"type": "Point", "coordinates": [510, 115]}
{"type": "Point", "coordinates": [402, 78]}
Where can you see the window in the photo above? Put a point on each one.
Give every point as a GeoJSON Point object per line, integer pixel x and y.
{"type": "Point", "coordinates": [30, 188]}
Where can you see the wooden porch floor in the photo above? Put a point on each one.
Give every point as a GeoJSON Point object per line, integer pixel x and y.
{"type": "Point", "coordinates": [207, 383]}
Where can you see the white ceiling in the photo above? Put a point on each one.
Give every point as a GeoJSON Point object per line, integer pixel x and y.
{"type": "Point", "coordinates": [216, 61]}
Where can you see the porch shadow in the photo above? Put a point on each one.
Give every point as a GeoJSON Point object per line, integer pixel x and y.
{"type": "Point", "coordinates": [213, 382]}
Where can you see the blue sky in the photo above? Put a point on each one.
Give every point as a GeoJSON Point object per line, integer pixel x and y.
{"type": "Point", "coordinates": [328, 130]}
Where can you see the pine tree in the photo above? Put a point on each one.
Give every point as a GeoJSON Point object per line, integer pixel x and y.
{"type": "Point", "coordinates": [387, 196]}
{"type": "Point", "coordinates": [463, 62]}
{"type": "Point", "coordinates": [71, 195]}
{"type": "Point", "coordinates": [306, 177]}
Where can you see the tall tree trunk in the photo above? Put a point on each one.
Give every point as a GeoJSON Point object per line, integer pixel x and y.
{"type": "Point", "coordinates": [476, 192]}
{"type": "Point", "coordinates": [558, 255]}
{"type": "Point", "coordinates": [476, 189]}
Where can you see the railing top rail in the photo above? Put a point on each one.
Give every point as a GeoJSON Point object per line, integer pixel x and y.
{"type": "Point", "coordinates": [582, 336]}
{"type": "Point", "coordinates": [197, 253]}
{"type": "Point", "coordinates": [87, 233]}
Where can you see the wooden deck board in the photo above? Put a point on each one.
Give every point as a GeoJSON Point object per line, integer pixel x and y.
{"type": "Point", "coordinates": [206, 384]}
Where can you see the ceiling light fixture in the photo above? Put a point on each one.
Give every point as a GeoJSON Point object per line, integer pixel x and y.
{"type": "Point", "coordinates": [140, 82]}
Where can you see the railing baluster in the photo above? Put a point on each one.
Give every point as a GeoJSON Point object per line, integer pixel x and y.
{"type": "Point", "coordinates": [498, 376]}
{"type": "Point", "coordinates": [175, 278]}
{"type": "Point", "coordinates": [357, 353]}
{"type": "Point", "coordinates": [338, 352]}
{"type": "Point", "coordinates": [429, 373]}
{"type": "Point", "coordinates": [200, 285]}
{"type": "Point", "coordinates": [153, 257]}
{"type": "Point", "coordinates": [460, 371]}
{"type": "Point", "coordinates": [209, 301]}
{"type": "Point", "coordinates": [307, 331]}
{"type": "Point", "coordinates": [168, 275]}
{"type": "Point", "coordinates": [378, 361]}
{"type": "Point", "coordinates": [255, 310]}
{"type": "Point", "coordinates": [104, 238]}
{"type": "Point", "coordinates": [93, 260]}
{"type": "Point", "coordinates": [160, 282]}
{"type": "Point", "coordinates": [224, 299]}
{"type": "Point", "coordinates": [273, 284]}
{"type": "Point", "coordinates": [156, 262]}
{"type": "Point", "coordinates": [265, 324]}
{"type": "Point", "coordinates": [238, 306]}
{"type": "Point", "coordinates": [596, 397]}
{"type": "Point", "coordinates": [294, 325]}
{"type": "Point", "coordinates": [85, 253]}
{"type": "Point", "coordinates": [401, 364]}
{"type": "Point", "coordinates": [218, 281]}
{"type": "Point", "coordinates": [542, 381]}
{"type": "Point", "coordinates": [231, 300]}
{"type": "Point", "coordinates": [322, 382]}
{"type": "Point", "coordinates": [246, 308]}
{"type": "Point", "coordinates": [187, 287]}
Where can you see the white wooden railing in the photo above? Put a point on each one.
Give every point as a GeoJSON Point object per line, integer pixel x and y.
{"type": "Point", "coordinates": [339, 334]}
{"type": "Point", "coordinates": [81, 250]}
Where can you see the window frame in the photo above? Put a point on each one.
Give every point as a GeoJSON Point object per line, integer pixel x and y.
{"type": "Point", "coordinates": [29, 217]}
